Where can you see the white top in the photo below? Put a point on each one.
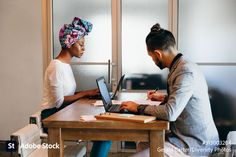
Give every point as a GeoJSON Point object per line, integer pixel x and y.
{"type": "Point", "coordinates": [59, 81]}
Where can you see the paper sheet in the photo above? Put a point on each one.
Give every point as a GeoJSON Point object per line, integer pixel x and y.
{"type": "Point", "coordinates": [148, 102]}
{"type": "Point", "coordinates": [126, 115]}
{"type": "Point", "coordinates": [87, 118]}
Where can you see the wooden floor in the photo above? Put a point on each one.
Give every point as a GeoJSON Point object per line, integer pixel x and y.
{"type": "Point", "coordinates": [117, 154]}
{"type": "Point", "coordinates": [7, 154]}
{"type": "Point", "coordinates": [120, 154]}
{"type": "Point", "coordinates": [3, 153]}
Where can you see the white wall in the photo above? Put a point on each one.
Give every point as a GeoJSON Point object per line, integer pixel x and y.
{"type": "Point", "coordinates": [21, 63]}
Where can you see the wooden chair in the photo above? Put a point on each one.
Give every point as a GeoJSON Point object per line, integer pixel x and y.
{"type": "Point", "coordinates": [30, 136]}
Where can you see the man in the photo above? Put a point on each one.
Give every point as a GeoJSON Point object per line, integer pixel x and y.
{"type": "Point", "coordinates": [186, 104]}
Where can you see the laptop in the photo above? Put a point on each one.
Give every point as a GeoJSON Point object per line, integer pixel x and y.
{"type": "Point", "coordinates": [106, 97]}
{"type": "Point", "coordinates": [112, 95]}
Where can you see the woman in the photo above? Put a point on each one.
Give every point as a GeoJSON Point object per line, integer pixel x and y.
{"type": "Point", "coordinates": [59, 81]}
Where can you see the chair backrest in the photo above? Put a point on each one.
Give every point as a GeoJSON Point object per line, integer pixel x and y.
{"type": "Point", "coordinates": [28, 138]}
{"type": "Point", "coordinates": [231, 144]}
{"type": "Point", "coordinates": [36, 119]}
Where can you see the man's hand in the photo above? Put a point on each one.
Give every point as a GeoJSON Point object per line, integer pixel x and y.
{"type": "Point", "coordinates": [129, 105]}
{"type": "Point", "coordinates": [150, 93]}
{"type": "Point", "coordinates": [155, 95]}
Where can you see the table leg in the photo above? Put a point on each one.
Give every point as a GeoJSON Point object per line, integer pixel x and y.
{"type": "Point", "coordinates": [157, 139]}
{"type": "Point", "coordinates": [55, 139]}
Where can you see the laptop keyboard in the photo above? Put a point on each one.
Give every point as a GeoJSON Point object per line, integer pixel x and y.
{"type": "Point", "coordinates": [114, 108]}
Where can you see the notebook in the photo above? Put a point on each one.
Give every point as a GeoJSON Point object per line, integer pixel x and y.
{"type": "Point", "coordinates": [125, 117]}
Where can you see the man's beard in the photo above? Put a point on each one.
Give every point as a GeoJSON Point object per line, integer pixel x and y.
{"type": "Point", "coordinates": [160, 65]}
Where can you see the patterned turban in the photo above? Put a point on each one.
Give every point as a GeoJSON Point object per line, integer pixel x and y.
{"type": "Point", "coordinates": [70, 33]}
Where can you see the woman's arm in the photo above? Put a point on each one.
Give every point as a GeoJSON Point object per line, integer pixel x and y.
{"type": "Point", "coordinates": [72, 98]}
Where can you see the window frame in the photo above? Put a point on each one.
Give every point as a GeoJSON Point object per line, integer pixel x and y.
{"type": "Point", "coordinates": [115, 72]}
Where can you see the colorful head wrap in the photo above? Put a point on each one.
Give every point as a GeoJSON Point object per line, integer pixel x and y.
{"type": "Point", "coordinates": [70, 33]}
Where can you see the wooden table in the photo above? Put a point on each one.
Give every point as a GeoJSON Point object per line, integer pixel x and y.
{"type": "Point", "coordinates": [65, 125]}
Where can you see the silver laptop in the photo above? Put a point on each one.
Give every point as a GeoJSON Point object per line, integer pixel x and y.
{"type": "Point", "coordinates": [112, 95]}
{"type": "Point", "coordinates": [106, 98]}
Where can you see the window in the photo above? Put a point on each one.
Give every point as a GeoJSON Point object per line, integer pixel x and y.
{"type": "Point", "coordinates": [206, 35]}
{"type": "Point", "coordinates": [207, 30]}
{"type": "Point", "coordinates": [102, 43]}
{"type": "Point", "coordinates": [137, 19]}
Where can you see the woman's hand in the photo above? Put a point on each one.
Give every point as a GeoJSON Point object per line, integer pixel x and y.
{"type": "Point", "coordinates": [155, 95]}
{"type": "Point", "coordinates": [91, 92]}
{"type": "Point", "coordinates": [129, 105]}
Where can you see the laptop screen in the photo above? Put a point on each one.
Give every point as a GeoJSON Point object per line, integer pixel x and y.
{"type": "Point", "coordinates": [118, 86]}
{"type": "Point", "coordinates": [104, 92]}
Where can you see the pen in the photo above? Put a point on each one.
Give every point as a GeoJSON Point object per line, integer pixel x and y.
{"type": "Point", "coordinates": [156, 90]}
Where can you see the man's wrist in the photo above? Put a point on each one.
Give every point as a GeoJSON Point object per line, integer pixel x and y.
{"type": "Point", "coordinates": [165, 98]}
{"type": "Point", "coordinates": [141, 109]}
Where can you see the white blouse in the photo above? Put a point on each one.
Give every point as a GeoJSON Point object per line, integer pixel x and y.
{"type": "Point", "coordinates": [59, 81]}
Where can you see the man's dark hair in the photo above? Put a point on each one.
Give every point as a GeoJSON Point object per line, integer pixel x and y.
{"type": "Point", "coordinates": [159, 38]}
